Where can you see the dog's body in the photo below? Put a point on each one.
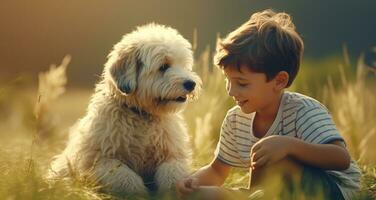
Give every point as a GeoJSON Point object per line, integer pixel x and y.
{"type": "Point", "coordinates": [133, 132]}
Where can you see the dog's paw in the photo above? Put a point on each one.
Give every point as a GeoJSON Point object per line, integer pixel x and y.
{"type": "Point", "coordinates": [123, 181]}
{"type": "Point", "coordinates": [168, 174]}
{"type": "Point", "coordinates": [136, 189]}
{"type": "Point", "coordinates": [134, 185]}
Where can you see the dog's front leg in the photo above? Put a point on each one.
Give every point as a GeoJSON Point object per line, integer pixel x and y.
{"type": "Point", "coordinates": [169, 172]}
{"type": "Point", "coordinates": [117, 178]}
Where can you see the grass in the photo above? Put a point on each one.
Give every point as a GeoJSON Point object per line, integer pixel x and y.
{"type": "Point", "coordinates": [34, 124]}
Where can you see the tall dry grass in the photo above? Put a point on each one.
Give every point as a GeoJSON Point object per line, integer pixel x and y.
{"type": "Point", "coordinates": [353, 106]}
{"type": "Point", "coordinates": [51, 86]}
{"type": "Point", "coordinates": [25, 157]}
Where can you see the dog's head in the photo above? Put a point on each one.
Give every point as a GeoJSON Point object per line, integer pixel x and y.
{"type": "Point", "coordinates": [152, 69]}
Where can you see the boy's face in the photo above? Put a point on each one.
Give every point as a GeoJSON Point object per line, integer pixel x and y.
{"type": "Point", "coordinates": [250, 90]}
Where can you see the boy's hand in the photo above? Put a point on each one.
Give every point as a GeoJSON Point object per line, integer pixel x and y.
{"type": "Point", "coordinates": [186, 186]}
{"type": "Point", "coordinates": [269, 150]}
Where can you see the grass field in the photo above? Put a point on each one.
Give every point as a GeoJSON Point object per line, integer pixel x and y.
{"type": "Point", "coordinates": [35, 120]}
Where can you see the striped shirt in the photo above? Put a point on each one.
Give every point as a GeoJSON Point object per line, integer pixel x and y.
{"type": "Point", "coordinates": [298, 116]}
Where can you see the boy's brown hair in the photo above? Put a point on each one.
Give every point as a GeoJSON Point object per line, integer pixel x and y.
{"type": "Point", "coordinates": [266, 43]}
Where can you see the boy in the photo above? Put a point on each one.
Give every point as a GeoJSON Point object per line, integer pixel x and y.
{"type": "Point", "coordinates": [275, 133]}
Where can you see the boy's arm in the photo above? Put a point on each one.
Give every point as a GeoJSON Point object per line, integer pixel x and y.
{"type": "Point", "coordinates": [326, 156]}
{"type": "Point", "coordinates": [213, 174]}
{"type": "Point", "coordinates": [318, 143]}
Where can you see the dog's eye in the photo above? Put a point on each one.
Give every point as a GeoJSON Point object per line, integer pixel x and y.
{"type": "Point", "coordinates": [164, 67]}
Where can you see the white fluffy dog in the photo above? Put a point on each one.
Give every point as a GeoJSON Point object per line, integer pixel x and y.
{"type": "Point", "coordinates": [133, 133]}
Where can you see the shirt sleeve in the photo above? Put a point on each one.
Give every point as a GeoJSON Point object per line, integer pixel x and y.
{"type": "Point", "coordinates": [226, 149]}
{"type": "Point", "coordinates": [315, 125]}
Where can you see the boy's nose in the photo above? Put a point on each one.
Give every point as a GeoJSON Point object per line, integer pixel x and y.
{"type": "Point", "coordinates": [231, 92]}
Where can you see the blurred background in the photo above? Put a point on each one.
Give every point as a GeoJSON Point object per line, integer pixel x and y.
{"type": "Point", "coordinates": [35, 34]}
{"type": "Point", "coordinates": [52, 53]}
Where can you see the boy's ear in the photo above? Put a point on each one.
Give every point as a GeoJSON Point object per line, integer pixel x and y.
{"type": "Point", "coordinates": [281, 80]}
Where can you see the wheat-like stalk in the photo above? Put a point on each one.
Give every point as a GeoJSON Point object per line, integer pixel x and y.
{"type": "Point", "coordinates": [51, 86]}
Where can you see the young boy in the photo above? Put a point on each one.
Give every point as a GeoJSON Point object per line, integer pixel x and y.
{"type": "Point", "coordinates": [272, 130]}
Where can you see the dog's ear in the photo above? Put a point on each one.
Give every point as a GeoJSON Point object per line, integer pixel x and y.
{"type": "Point", "coordinates": [124, 69]}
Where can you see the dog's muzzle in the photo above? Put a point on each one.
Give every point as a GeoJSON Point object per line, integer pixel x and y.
{"type": "Point", "coordinates": [189, 86]}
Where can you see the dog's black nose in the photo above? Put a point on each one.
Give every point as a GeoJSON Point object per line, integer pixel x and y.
{"type": "Point", "coordinates": [189, 85]}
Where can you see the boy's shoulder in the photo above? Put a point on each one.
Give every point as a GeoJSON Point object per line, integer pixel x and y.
{"type": "Point", "coordinates": [291, 102]}
{"type": "Point", "coordinates": [301, 101]}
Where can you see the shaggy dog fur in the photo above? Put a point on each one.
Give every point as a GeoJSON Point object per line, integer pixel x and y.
{"type": "Point", "coordinates": [133, 133]}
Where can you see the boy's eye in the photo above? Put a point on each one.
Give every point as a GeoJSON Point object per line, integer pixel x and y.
{"type": "Point", "coordinates": [242, 84]}
{"type": "Point", "coordinates": [164, 67]}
